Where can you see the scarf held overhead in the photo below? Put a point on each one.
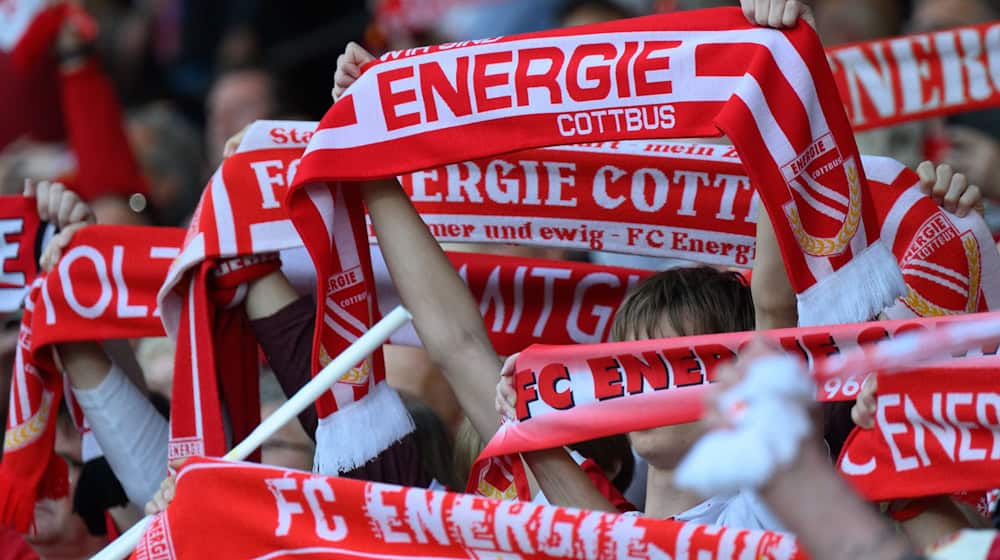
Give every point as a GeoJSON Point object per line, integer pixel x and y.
{"type": "Point", "coordinates": [288, 513]}
{"type": "Point", "coordinates": [103, 288]}
{"type": "Point", "coordinates": [937, 431]}
{"type": "Point", "coordinates": [240, 215]}
{"type": "Point", "coordinates": [693, 202]}
{"type": "Point", "coordinates": [570, 394]}
{"type": "Point", "coordinates": [914, 77]}
{"type": "Point", "coordinates": [22, 236]}
{"type": "Point", "coordinates": [679, 75]}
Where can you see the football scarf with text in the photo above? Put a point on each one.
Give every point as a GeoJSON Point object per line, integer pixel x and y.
{"type": "Point", "coordinates": [103, 288]}
{"type": "Point", "coordinates": [682, 75]}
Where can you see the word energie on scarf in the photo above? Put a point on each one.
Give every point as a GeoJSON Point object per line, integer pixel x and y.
{"type": "Point", "coordinates": [681, 75]}
{"type": "Point", "coordinates": [291, 513]}
{"type": "Point", "coordinates": [559, 387]}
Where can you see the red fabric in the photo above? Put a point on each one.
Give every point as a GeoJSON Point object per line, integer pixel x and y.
{"type": "Point", "coordinates": [605, 486]}
{"type": "Point", "coordinates": [936, 432]}
{"type": "Point", "coordinates": [292, 513]}
{"type": "Point", "coordinates": [33, 26]}
{"type": "Point", "coordinates": [204, 313]}
{"type": "Point", "coordinates": [95, 128]}
{"type": "Point", "coordinates": [20, 233]}
{"type": "Point", "coordinates": [914, 77]}
{"type": "Point", "coordinates": [770, 91]}
{"type": "Point", "coordinates": [583, 392]}
{"type": "Point", "coordinates": [13, 546]}
{"type": "Point", "coordinates": [35, 93]}
{"type": "Point", "coordinates": [215, 364]}
{"type": "Point", "coordinates": [103, 288]}
{"type": "Point", "coordinates": [31, 470]}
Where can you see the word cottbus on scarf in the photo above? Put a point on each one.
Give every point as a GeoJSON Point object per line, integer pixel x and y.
{"type": "Point", "coordinates": [681, 75]}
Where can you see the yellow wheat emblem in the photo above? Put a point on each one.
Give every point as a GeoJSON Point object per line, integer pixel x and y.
{"type": "Point", "coordinates": [827, 246]}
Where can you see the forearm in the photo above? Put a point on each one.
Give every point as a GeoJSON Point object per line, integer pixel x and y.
{"type": "Point", "coordinates": [444, 313]}
{"type": "Point", "coordinates": [844, 527]}
{"type": "Point", "coordinates": [941, 518]}
{"type": "Point", "coordinates": [268, 295]}
{"type": "Point", "coordinates": [773, 297]}
{"type": "Point", "coordinates": [131, 433]}
{"type": "Point", "coordinates": [85, 363]}
{"type": "Point", "coordinates": [563, 481]}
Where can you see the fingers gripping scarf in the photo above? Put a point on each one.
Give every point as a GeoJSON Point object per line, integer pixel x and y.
{"type": "Point", "coordinates": [679, 75]}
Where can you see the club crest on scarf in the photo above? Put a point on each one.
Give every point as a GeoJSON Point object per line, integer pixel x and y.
{"type": "Point", "coordinates": [934, 286]}
{"type": "Point", "coordinates": [832, 218]}
{"type": "Point", "coordinates": [345, 290]}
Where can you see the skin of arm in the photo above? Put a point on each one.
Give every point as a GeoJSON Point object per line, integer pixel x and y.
{"type": "Point", "coordinates": [85, 363]}
{"type": "Point", "coordinates": [451, 329]}
{"type": "Point", "coordinates": [833, 523]}
{"type": "Point", "coordinates": [269, 294]}
{"type": "Point", "coordinates": [774, 300]}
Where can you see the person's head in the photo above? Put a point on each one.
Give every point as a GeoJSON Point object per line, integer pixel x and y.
{"type": "Point", "coordinates": [468, 446]}
{"type": "Point", "coordinates": [236, 99]}
{"type": "Point", "coordinates": [681, 302]}
{"type": "Point", "coordinates": [57, 528]}
{"type": "Point", "coordinates": [169, 151]}
{"type": "Point", "coordinates": [848, 21]}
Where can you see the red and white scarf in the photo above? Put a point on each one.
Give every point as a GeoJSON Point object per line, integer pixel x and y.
{"type": "Point", "coordinates": [582, 392]}
{"type": "Point", "coordinates": [680, 75]}
{"type": "Point", "coordinates": [914, 77]}
{"type": "Point", "coordinates": [694, 202]}
{"type": "Point", "coordinates": [937, 431]}
{"type": "Point", "coordinates": [241, 213]}
{"type": "Point", "coordinates": [291, 513]}
{"type": "Point", "coordinates": [86, 297]}
{"type": "Point", "coordinates": [22, 236]}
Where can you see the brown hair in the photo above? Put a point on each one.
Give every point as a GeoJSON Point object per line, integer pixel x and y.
{"type": "Point", "coordinates": [697, 300]}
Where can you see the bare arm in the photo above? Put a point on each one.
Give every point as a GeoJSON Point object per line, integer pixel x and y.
{"type": "Point", "coordinates": [451, 329]}
{"type": "Point", "coordinates": [85, 363]}
{"type": "Point", "coordinates": [268, 295]}
{"type": "Point", "coordinates": [444, 313]}
{"type": "Point", "coordinates": [773, 297]}
{"type": "Point", "coordinates": [845, 527]}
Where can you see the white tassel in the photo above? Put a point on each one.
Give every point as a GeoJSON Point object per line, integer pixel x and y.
{"type": "Point", "coordinates": [859, 291]}
{"type": "Point", "coordinates": [357, 433]}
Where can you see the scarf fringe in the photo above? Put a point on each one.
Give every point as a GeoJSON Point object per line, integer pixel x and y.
{"type": "Point", "coordinates": [360, 431]}
{"type": "Point", "coordinates": [857, 292]}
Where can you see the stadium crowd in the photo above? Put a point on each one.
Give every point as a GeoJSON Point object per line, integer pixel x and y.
{"type": "Point", "coordinates": [133, 106]}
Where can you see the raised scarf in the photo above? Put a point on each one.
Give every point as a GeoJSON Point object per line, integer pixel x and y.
{"type": "Point", "coordinates": [22, 237]}
{"type": "Point", "coordinates": [577, 393]}
{"type": "Point", "coordinates": [681, 75]}
{"type": "Point", "coordinates": [937, 431]}
{"type": "Point", "coordinates": [28, 28]}
{"type": "Point", "coordinates": [85, 297]}
{"type": "Point", "coordinates": [291, 513]}
{"type": "Point", "coordinates": [241, 213]}
{"type": "Point", "coordinates": [914, 77]}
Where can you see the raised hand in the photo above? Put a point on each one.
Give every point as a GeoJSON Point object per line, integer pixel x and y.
{"type": "Point", "coordinates": [777, 13]}
{"type": "Point", "coordinates": [349, 68]}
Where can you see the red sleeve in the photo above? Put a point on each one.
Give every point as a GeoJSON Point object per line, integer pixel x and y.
{"type": "Point", "coordinates": [96, 131]}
